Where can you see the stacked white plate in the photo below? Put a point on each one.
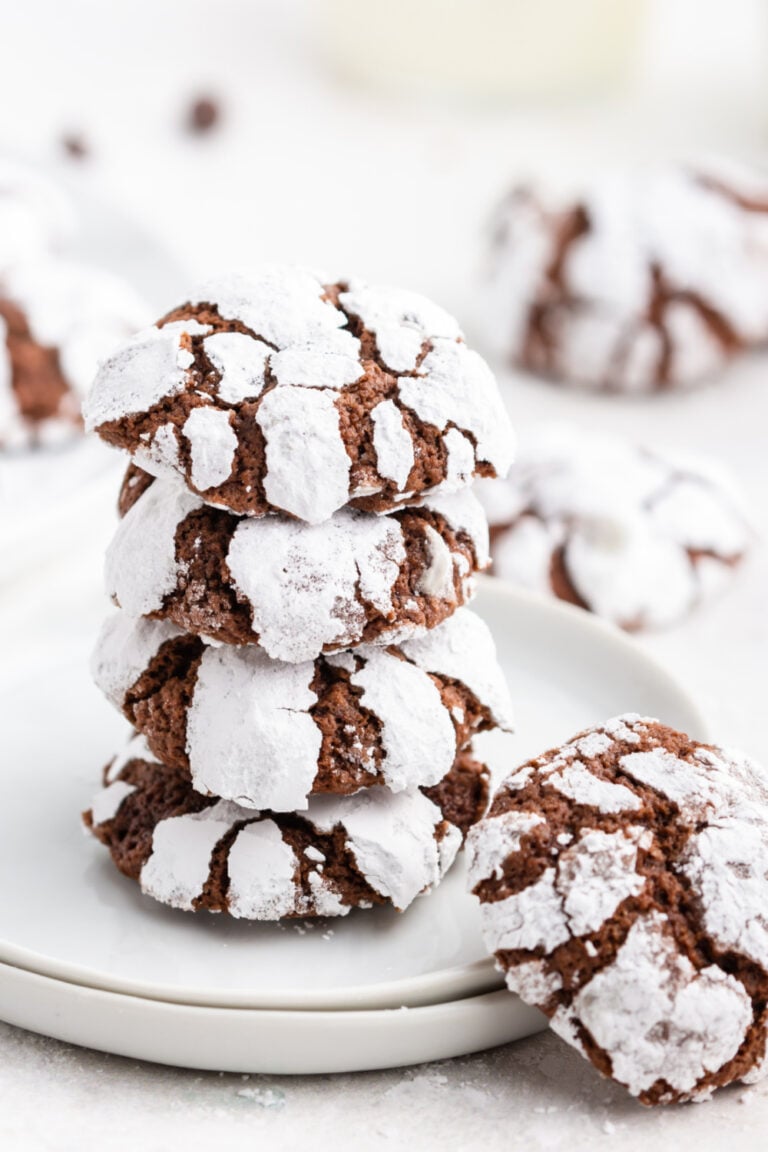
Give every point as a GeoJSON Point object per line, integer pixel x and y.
{"type": "Point", "coordinates": [86, 958]}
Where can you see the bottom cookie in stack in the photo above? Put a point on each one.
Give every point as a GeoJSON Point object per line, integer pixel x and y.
{"type": "Point", "coordinates": [197, 853]}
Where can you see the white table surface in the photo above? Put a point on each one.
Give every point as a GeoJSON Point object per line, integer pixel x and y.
{"type": "Point", "coordinates": [304, 169]}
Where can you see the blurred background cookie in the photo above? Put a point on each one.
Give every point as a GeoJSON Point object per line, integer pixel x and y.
{"type": "Point", "coordinates": [640, 537]}
{"type": "Point", "coordinates": [58, 319]}
{"type": "Point", "coordinates": [646, 281]}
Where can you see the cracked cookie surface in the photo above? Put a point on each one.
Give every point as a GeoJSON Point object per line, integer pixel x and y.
{"type": "Point", "coordinates": [623, 879]}
{"type": "Point", "coordinates": [278, 391]}
{"type": "Point", "coordinates": [294, 588]}
{"type": "Point", "coordinates": [199, 853]}
{"type": "Point", "coordinates": [266, 734]}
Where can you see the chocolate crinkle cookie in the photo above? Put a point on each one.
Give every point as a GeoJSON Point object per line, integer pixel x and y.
{"type": "Point", "coordinates": [280, 390]}
{"type": "Point", "coordinates": [623, 880]}
{"type": "Point", "coordinates": [266, 734]}
{"type": "Point", "coordinates": [198, 853]}
{"type": "Point", "coordinates": [296, 589]}
{"type": "Point", "coordinates": [58, 319]}
{"type": "Point", "coordinates": [639, 537]}
{"type": "Point", "coordinates": [646, 282]}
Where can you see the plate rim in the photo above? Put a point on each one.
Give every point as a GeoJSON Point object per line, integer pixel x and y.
{"type": "Point", "coordinates": [463, 980]}
{"type": "Point", "coordinates": [258, 1040]}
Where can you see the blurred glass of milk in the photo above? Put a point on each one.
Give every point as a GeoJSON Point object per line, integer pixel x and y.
{"type": "Point", "coordinates": [484, 48]}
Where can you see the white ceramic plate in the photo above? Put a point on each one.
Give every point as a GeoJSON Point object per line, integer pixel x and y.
{"type": "Point", "coordinates": [73, 918]}
{"type": "Point", "coordinates": [257, 1040]}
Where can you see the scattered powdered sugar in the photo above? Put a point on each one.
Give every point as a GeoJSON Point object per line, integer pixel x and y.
{"type": "Point", "coordinates": [393, 444]}
{"type": "Point", "coordinates": [302, 580]}
{"type": "Point", "coordinates": [212, 445]}
{"type": "Point", "coordinates": [141, 568]}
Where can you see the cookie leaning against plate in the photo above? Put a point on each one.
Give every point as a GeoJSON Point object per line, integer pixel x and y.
{"type": "Point", "coordinates": [266, 734]}
{"type": "Point", "coordinates": [199, 853]}
{"type": "Point", "coordinates": [623, 880]}
{"type": "Point", "coordinates": [58, 319]}
{"type": "Point", "coordinates": [639, 537]}
{"type": "Point", "coordinates": [296, 589]}
{"type": "Point", "coordinates": [646, 281]}
{"type": "Point", "coordinates": [280, 391]}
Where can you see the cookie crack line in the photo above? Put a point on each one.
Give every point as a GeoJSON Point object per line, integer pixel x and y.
{"type": "Point", "coordinates": [622, 878]}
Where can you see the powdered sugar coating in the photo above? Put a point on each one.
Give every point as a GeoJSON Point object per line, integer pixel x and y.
{"type": "Point", "coordinates": [397, 846]}
{"type": "Point", "coordinates": [261, 870]}
{"type": "Point", "coordinates": [342, 417]}
{"type": "Point", "coordinates": [304, 443]}
{"type": "Point", "coordinates": [657, 1017]}
{"type": "Point", "coordinates": [650, 280]}
{"type": "Point", "coordinates": [248, 723]}
{"type": "Point", "coordinates": [212, 445]}
{"type": "Point", "coordinates": [641, 548]}
{"type": "Point", "coordinates": [240, 362]}
{"type": "Point", "coordinates": [393, 444]}
{"type": "Point", "coordinates": [392, 839]}
{"type": "Point", "coordinates": [141, 568]}
{"type": "Point", "coordinates": [263, 753]}
{"type": "Point", "coordinates": [147, 368]}
{"type": "Point", "coordinates": [416, 727]}
{"type": "Point", "coordinates": [649, 913]}
{"type": "Point", "coordinates": [463, 648]}
{"type": "Point", "coordinates": [302, 580]}
{"type": "Point", "coordinates": [307, 588]}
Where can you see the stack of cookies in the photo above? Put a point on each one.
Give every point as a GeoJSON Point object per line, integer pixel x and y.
{"type": "Point", "coordinates": [297, 543]}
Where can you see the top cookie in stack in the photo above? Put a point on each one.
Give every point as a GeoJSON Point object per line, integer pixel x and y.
{"type": "Point", "coordinates": [294, 519]}
{"type": "Point", "coordinates": [280, 392]}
